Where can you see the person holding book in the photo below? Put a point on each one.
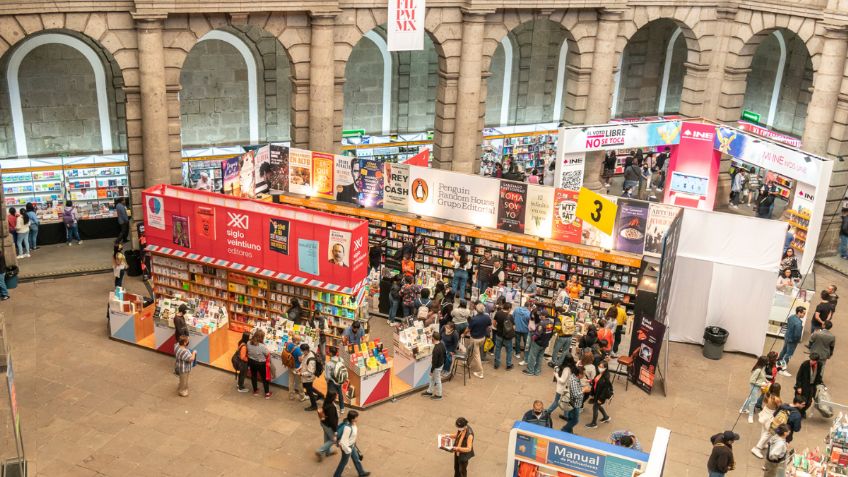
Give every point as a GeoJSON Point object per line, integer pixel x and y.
{"type": "Point", "coordinates": [462, 448]}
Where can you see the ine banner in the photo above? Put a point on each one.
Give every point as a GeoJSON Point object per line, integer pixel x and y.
{"type": "Point", "coordinates": [406, 25]}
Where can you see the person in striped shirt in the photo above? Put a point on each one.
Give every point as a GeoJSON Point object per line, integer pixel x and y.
{"type": "Point", "coordinates": [185, 359]}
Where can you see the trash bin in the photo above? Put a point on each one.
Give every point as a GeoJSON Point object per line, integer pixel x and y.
{"type": "Point", "coordinates": [714, 340]}
{"type": "Point", "coordinates": [133, 262]}
{"type": "Point", "coordinates": [12, 277]}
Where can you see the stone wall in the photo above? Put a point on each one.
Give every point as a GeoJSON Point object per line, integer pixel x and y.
{"type": "Point", "coordinates": [642, 71]}
{"type": "Point", "coordinates": [414, 81]}
{"type": "Point", "coordinates": [363, 89]}
{"type": "Point", "coordinates": [494, 88]}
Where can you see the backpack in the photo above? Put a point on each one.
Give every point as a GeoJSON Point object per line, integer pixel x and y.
{"type": "Point", "coordinates": [287, 358]}
{"type": "Point", "coordinates": [340, 430]}
{"type": "Point", "coordinates": [236, 361]}
{"type": "Point", "coordinates": [781, 416]}
{"type": "Point", "coordinates": [423, 311]}
{"type": "Point", "coordinates": [408, 293]}
{"type": "Point", "coordinates": [768, 455]}
{"type": "Point", "coordinates": [319, 366]}
{"type": "Point", "coordinates": [508, 329]}
{"type": "Point", "coordinates": [68, 217]}
{"type": "Point", "coordinates": [339, 374]}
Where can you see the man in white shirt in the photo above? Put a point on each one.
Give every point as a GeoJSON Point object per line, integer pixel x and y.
{"type": "Point", "coordinates": [347, 442]}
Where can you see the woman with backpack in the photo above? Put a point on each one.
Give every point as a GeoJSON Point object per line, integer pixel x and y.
{"type": "Point", "coordinates": [69, 218]}
{"type": "Point", "coordinates": [22, 240]}
{"type": "Point", "coordinates": [561, 374]}
{"type": "Point", "coordinates": [346, 438]}
{"type": "Point", "coordinates": [239, 361]}
{"type": "Point", "coordinates": [257, 354]}
{"type": "Point", "coordinates": [771, 402]}
{"type": "Point", "coordinates": [422, 305]}
{"type": "Point", "coordinates": [311, 367]}
{"type": "Point", "coordinates": [460, 265]}
{"type": "Point", "coordinates": [408, 295]}
{"type": "Point", "coordinates": [756, 381]}
{"type": "Point", "coordinates": [601, 392]}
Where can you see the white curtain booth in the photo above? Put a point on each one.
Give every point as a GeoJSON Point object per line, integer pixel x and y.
{"type": "Point", "coordinates": [725, 275]}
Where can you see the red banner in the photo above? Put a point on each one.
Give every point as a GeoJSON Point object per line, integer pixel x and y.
{"type": "Point", "coordinates": [567, 227]}
{"type": "Point", "coordinates": [421, 159]}
{"type": "Point", "coordinates": [692, 175]}
{"type": "Point", "coordinates": [293, 244]}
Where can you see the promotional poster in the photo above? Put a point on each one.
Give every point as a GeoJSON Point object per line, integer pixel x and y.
{"type": "Point", "coordinates": [396, 190]}
{"type": "Point", "coordinates": [513, 197]}
{"type": "Point", "coordinates": [566, 226]}
{"type": "Point", "coordinates": [245, 231]}
{"type": "Point", "coordinates": [370, 182]}
{"type": "Point", "coordinates": [539, 211]}
{"type": "Point", "coordinates": [630, 225]}
{"type": "Point", "coordinates": [300, 171]}
{"type": "Point", "coordinates": [659, 220]}
{"type": "Point", "coordinates": [205, 217]}
{"type": "Point", "coordinates": [346, 190]}
{"type": "Point", "coordinates": [230, 169]}
{"type": "Point", "coordinates": [692, 176]}
{"type": "Point", "coordinates": [323, 170]}
{"type": "Point", "coordinates": [447, 195]}
{"type": "Point", "coordinates": [262, 170]}
{"type": "Point", "coordinates": [246, 179]}
{"type": "Point", "coordinates": [647, 337]}
{"type": "Point", "coordinates": [278, 182]}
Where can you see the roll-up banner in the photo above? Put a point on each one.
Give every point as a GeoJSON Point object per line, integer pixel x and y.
{"type": "Point", "coordinates": [461, 197]}
{"type": "Point", "coordinates": [406, 25]}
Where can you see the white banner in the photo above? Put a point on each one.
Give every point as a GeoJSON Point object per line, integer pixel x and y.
{"type": "Point", "coordinates": [448, 195]}
{"type": "Point", "coordinates": [406, 25]}
{"type": "Point", "coordinates": [539, 211]}
{"type": "Point", "coordinates": [396, 186]}
{"type": "Point", "coordinates": [569, 170]}
{"type": "Point", "coordinates": [619, 136]}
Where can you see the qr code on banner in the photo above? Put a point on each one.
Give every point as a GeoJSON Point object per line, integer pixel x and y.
{"type": "Point", "coordinates": [572, 180]}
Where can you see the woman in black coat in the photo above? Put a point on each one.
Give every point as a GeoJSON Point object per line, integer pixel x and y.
{"type": "Point", "coordinates": [602, 392]}
{"type": "Point", "coordinates": [808, 377]}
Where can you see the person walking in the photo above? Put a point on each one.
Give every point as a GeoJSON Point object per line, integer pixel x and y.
{"type": "Point", "coordinates": [538, 342]}
{"type": "Point", "coordinates": [771, 403]}
{"type": "Point", "coordinates": [184, 362]}
{"type": "Point", "coordinates": [437, 364]}
{"type": "Point", "coordinates": [335, 373]}
{"type": "Point", "coordinates": [241, 370]}
{"type": "Point", "coordinates": [721, 458]}
{"type": "Point", "coordinates": [736, 186]}
{"type": "Point", "coordinates": [504, 334]}
{"type": "Point", "coordinates": [794, 331]}
{"type": "Point", "coordinates": [69, 218]}
{"type": "Point", "coordinates": [609, 168]}
{"type": "Point", "coordinates": [257, 354]}
{"type": "Point", "coordinates": [292, 349]}
{"type": "Point", "coordinates": [809, 376]}
{"type": "Point", "coordinates": [756, 383]}
{"type": "Point", "coordinates": [753, 185]}
{"type": "Point", "coordinates": [123, 220]}
{"type": "Point", "coordinates": [22, 240]}
{"type": "Point", "coordinates": [843, 235]}
{"type": "Point", "coordinates": [328, 417]}
{"type": "Point", "coordinates": [34, 222]}
{"type": "Point", "coordinates": [776, 451]}
{"type": "Point", "coordinates": [602, 392]}
{"type": "Point", "coordinates": [538, 415]}
{"type": "Point", "coordinates": [463, 448]}
{"type": "Point", "coordinates": [822, 343]}
{"type": "Point", "coordinates": [478, 330]}
{"type": "Point", "coordinates": [632, 174]}
{"type": "Point", "coordinates": [561, 374]}
{"type": "Point", "coordinates": [346, 436]}
{"type": "Point", "coordinates": [119, 264]}
{"type": "Point", "coordinates": [308, 373]}
{"type": "Point", "coordinates": [574, 402]}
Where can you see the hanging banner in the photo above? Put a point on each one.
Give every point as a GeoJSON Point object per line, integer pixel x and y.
{"type": "Point", "coordinates": [659, 220]}
{"type": "Point", "coordinates": [262, 171]}
{"type": "Point", "coordinates": [569, 170]}
{"type": "Point", "coordinates": [539, 211]}
{"type": "Point", "coordinates": [323, 169]}
{"type": "Point", "coordinates": [619, 136]}
{"type": "Point", "coordinates": [773, 157]}
{"type": "Point", "coordinates": [279, 180]}
{"type": "Point", "coordinates": [300, 171]}
{"type": "Point", "coordinates": [513, 197]}
{"type": "Point", "coordinates": [370, 182]}
{"type": "Point", "coordinates": [768, 133]}
{"type": "Point", "coordinates": [406, 25]}
{"type": "Point", "coordinates": [421, 159]}
{"type": "Point", "coordinates": [567, 227]}
{"type": "Point", "coordinates": [592, 235]}
{"type": "Point", "coordinates": [647, 338]}
{"type": "Point", "coordinates": [630, 225]}
{"type": "Point", "coordinates": [230, 174]}
{"type": "Point", "coordinates": [447, 195]}
{"type": "Point", "coordinates": [396, 190]}
{"type": "Point", "coordinates": [693, 168]}
{"type": "Point", "coordinates": [345, 185]}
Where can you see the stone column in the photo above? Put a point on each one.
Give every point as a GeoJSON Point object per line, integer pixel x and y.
{"type": "Point", "coordinates": [703, 83]}
{"type": "Point", "coordinates": [600, 88]}
{"type": "Point", "coordinates": [154, 108]}
{"type": "Point", "coordinates": [827, 82]}
{"type": "Point", "coordinates": [321, 84]}
{"type": "Point", "coordinates": [468, 134]}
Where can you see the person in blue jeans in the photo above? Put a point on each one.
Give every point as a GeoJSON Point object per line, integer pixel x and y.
{"type": "Point", "coordinates": [347, 434]}
{"type": "Point", "coordinates": [521, 316]}
{"type": "Point", "coordinates": [69, 218]}
{"type": "Point", "coordinates": [394, 298]}
{"type": "Point", "coordinates": [33, 226]}
{"type": "Point", "coordinates": [460, 271]}
{"type": "Point", "coordinates": [539, 341]}
{"type": "Point", "coordinates": [4, 292]}
{"type": "Point", "coordinates": [794, 330]}
{"type": "Point", "coordinates": [572, 416]}
{"type": "Point", "coordinates": [504, 334]}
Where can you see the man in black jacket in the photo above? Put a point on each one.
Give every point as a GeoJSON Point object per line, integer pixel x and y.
{"type": "Point", "coordinates": [808, 377]}
{"type": "Point", "coordinates": [437, 362]}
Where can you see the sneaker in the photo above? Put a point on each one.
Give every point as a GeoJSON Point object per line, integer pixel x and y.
{"type": "Point", "coordinates": [479, 375]}
{"type": "Point", "coordinates": [5, 298]}
{"type": "Point", "coordinates": [69, 244]}
{"type": "Point", "coordinates": [497, 366]}
{"type": "Point", "coordinates": [427, 394]}
{"type": "Point", "coordinates": [750, 418]}
{"type": "Point", "coordinates": [310, 408]}
{"type": "Point", "coordinates": [757, 452]}
{"type": "Point", "coordinates": [365, 474]}
{"type": "Point", "coordinates": [27, 255]}
{"type": "Point", "coordinates": [786, 373]}
{"type": "Point", "coordinates": [303, 397]}
{"type": "Point", "coordinates": [79, 243]}
{"type": "Point", "coordinates": [743, 411]}
{"type": "Point", "coordinates": [522, 363]}
{"type": "Point", "coordinates": [528, 373]}
{"type": "Point", "coordinates": [242, 390]}
{"type": "Point", "coordinates": [591, 425]}
{"type": "Point", "coordinates": [256, 393]}
{"type": "Point", "coordinates": [19, 257]}
{"type": "Point", "coordinates": [319, 455]}
{"type": "Point", "coordinates": [606, 420]}
{"type": "Point", "coordinates": [268, 395]}
{"type": "Point", "coordinates": [436, 398]}
{"type": "Point", "coordinates": [509, 367]}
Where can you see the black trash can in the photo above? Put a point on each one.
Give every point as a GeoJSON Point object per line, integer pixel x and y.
{"type": "Point", "coordinates": [12, 277]}
{"type": "Point", "coordinates": [714, 340]}
{"type": "Point", "coordinates": [133, 262]}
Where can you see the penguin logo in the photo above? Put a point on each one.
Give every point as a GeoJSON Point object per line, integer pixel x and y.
{"type": "Point", "coordinates": [419, 190]}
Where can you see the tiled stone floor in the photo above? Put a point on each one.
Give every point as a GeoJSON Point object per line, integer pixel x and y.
{"type": "Point", "coordinates": [60, 259]}
{"type": "Point", "coordinates": [93, 406]}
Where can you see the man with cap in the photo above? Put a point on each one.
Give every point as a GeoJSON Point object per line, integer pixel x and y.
{"type": "Point", "coordinates": [721, 459]}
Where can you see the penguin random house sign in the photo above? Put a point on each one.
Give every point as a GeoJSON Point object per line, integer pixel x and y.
{"type": "Point", "coordinates": [447, 195]}
{"type": "Point", "coordinates": [406, 25]}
